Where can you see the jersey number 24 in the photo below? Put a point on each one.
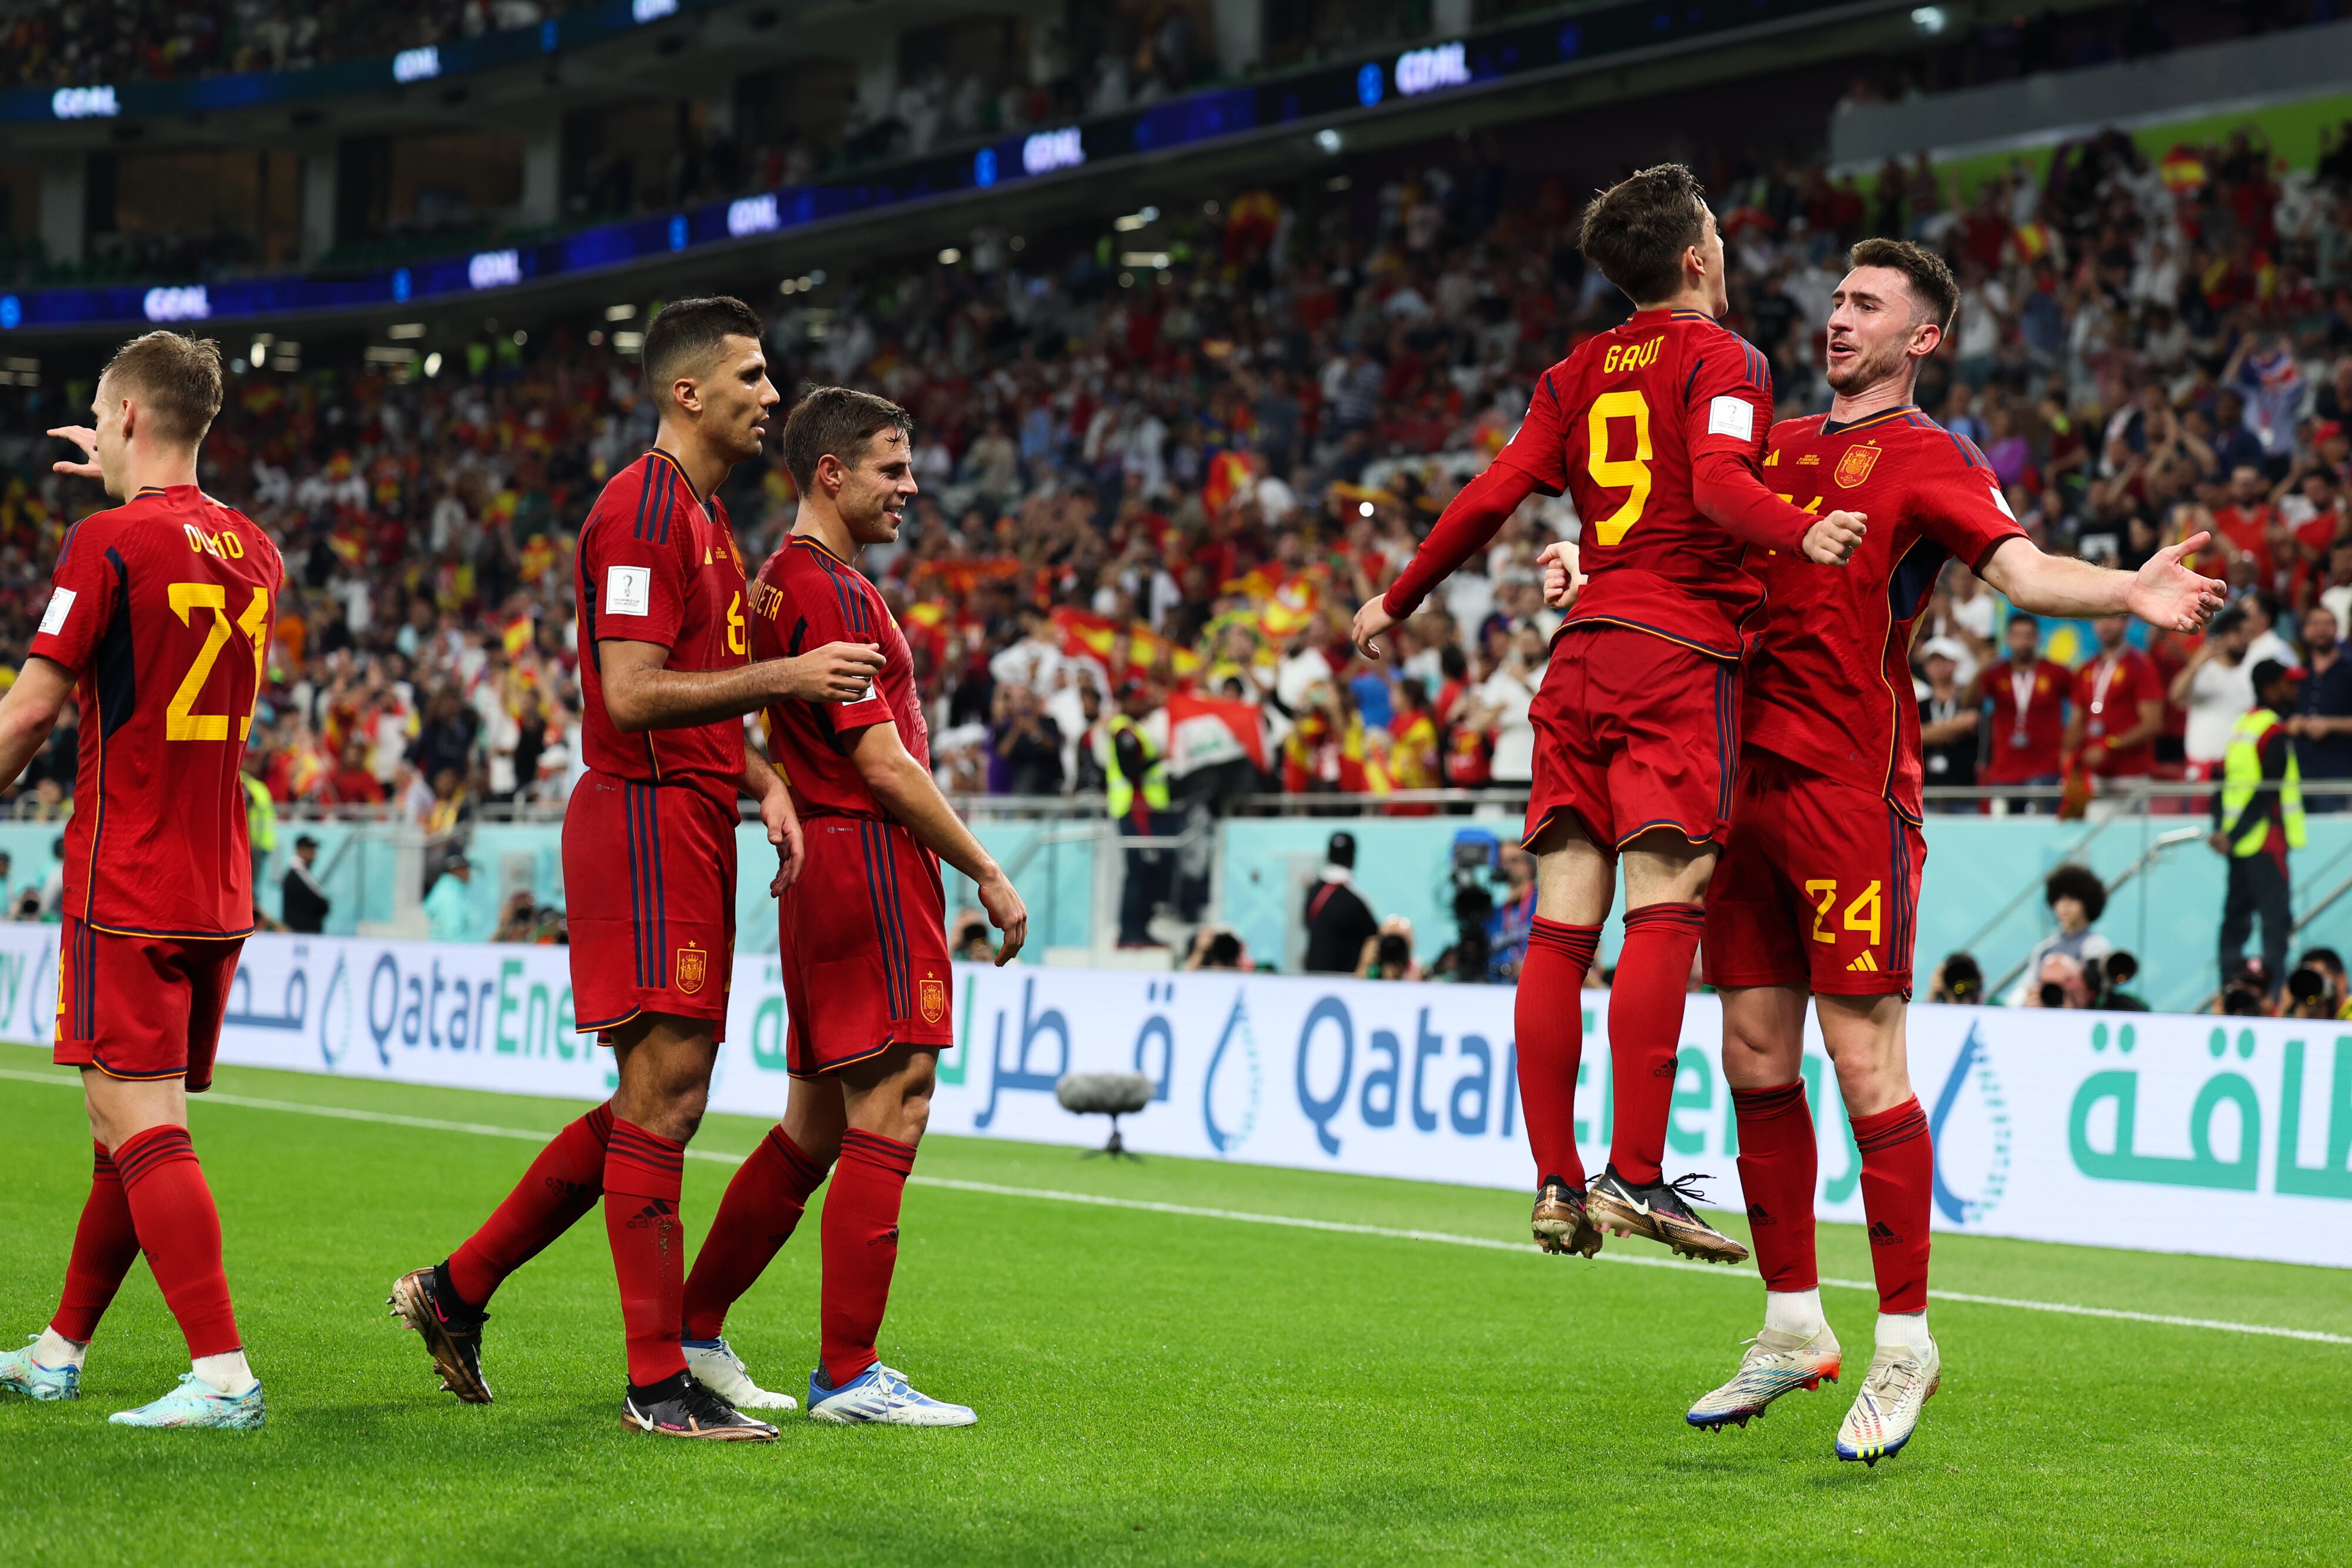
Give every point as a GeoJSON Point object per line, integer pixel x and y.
{"type": "Point", "coordinates": [181, 721]}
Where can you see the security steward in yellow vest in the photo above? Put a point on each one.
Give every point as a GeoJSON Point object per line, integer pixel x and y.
{"type": "Point", "coordinates": [2257, 819]}
{"type": "Point", "coordinates": [1136, 782]}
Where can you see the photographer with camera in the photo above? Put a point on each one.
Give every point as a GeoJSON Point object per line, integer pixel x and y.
{"type": "Point", "coordinates": [1476, 955]}
{"type": "Point", "coordinates": [2318, 988]}
{"type": "Point", "coordinates": [1958, 980]}
{"type": "Point", "coordinates": [2077, 897]}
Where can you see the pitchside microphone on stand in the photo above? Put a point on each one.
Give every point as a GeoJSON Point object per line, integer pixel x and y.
{"type": "Point", "coordinates": [1112, 1094]}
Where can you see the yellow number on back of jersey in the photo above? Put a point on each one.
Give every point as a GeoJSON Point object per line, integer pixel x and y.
{"type": "Point", "coordinates": [1629, 474]}
{"type": "Point", "coordinates": [181, 722]}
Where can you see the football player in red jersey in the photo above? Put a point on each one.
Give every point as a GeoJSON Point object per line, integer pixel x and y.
{"type": "Point", "coordinates": [1815, 896]}
{"type": "Point", "coordinates": [862, 933]}
{"type": "Point", "coordinates": [649, 867]}
{"type": "Point", "coordinates": [158, 625]}
{"type": "Point", "coordinates": [1656, 429]}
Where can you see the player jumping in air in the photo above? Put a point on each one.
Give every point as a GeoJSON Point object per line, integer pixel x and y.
{"type": "Point", "coordinates": [1655, 429]}
{"type": "Point", "coordinates": [158, 627]}
{"type": "Point", "coordinates": [1817, 893]}
{"type": "Point", "coordinates": [649, 866]}
{"type": "Point", "coordinates": [862, 933]}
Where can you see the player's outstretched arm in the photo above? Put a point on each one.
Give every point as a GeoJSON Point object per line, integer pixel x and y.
{"type": "Point", "coordinates": [28, 712]}
{"type": "Point", "coordinates": [1471, 519]}
{"type": "Point", "coordinates": [2163, 593]}
{"type": "Point", "coordinates": [641, 695]}
{"type": "Point", "coordinates": [905, 790]}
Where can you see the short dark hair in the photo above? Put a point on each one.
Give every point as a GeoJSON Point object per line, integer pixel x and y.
{"type": "Point", "coordinates": [837, 422]}
{"type": "Point", "coordinates": [2020, 618]}
{"type": "Point", "coordinates": [688, 332]}
{"type": "Point", "coordinates": [2082, 884]}
{"type": "Point", "coordinates": [1341, 851]}
{"type": "Point", "coordinates": [1635, 231]}
{"type": "Point", "coordinates": [176, 380]}
{"type": "Point", "coordinates": [1928, 274]}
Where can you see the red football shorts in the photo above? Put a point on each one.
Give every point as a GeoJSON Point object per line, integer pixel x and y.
{"type": "Point", "coordinates": [649, 890]}
{"type": "Point", "coordinates": [862, 937]}
{"type": "Point", "coordinates": [1820, 887]}
{"type": "Point", "coordinates": [142, 1007]}
{"type": "Point", "coordinates": [1634, 733]}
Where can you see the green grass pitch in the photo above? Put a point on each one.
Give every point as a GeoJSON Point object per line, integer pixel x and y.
{"type": "Point", "coordinates": [1152, 1386]}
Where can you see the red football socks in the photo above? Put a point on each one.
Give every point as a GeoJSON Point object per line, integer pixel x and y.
{"type": "Point", "coordinates": [105, 1244]}
{"type": "Point", "coordinates": [861, 1247]}
{"type": "Point", "coordinates": [762, 1208]}
{"type": "Point", "coordinates": [562, 1184]}
{"type": "Point", "coordinates": [1645, 1028]}
{"type": "Point", "coordinates": [643, 1174]}
{"type": "Point", "coordinates": [1899, 1174]}
{"type": "Point", "coordinates": [1550, 1010]}
{"type": "Point", "coordinates": [179, 1229]}
{"type": "Point", "coordinates": [1778, 1164]}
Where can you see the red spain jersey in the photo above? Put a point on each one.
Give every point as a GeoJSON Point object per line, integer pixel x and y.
{"type": "Point", "coordinates": [161, 609]}
{"type": "Point", "coordinates": [805, 597]}
{"type": "Point", "coordinates": [657, 566]}
{"type": "Point", "coordinates": [2029, 720]}
{"type": "Point", "coordinates": [1618, 425]}
{"type": "Point", "coordinates": [1828, 679]}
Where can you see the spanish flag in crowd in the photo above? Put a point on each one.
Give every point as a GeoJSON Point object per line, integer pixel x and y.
{"type": "Point", "coordinates": [1087, 634]}
{"type": "Point", "coordinates": [1287, 606]}
{"type": "Point", "coordinates": [517, 635]}
{"type": "Point", "coordinates": [1230, 473]}
{"type": "Point", "coordinates": [2183, 169]}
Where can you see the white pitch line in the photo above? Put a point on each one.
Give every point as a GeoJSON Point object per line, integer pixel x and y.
{"type": "Point", "coordinates": [1243, 1217]}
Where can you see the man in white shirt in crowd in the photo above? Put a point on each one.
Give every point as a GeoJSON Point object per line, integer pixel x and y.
{"type": "Point", "coordinates": [2216, 686]}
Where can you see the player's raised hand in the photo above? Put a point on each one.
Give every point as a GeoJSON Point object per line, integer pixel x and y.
{"type": "Point", "coordinates": [1564, 573]}
{"type": "Point", "coordinates": [2167, 594]}
{"type": "Point", "coordinates": [1011, 915]}
{"type": "Point", "coordinates": [86, 438]}
{"type": "Point", "coordinates": [1372, 620]}
{"type": "Point", "coordinates": [1834, 539]}
{"type": "Point", "coordinates": [836, 673]}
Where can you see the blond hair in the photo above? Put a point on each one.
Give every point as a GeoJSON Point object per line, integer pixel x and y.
{"type": "Point", "coordinates": [176, 382]}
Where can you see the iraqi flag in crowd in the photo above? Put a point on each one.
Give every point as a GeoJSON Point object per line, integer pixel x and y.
{"type": "Point", "coordinates": [1205, 731]}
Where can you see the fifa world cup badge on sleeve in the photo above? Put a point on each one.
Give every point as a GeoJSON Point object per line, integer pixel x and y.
{"type": "Point", "coordinates": [691, 967]}
{"type": "Point", "coordinates": [1855, 465]}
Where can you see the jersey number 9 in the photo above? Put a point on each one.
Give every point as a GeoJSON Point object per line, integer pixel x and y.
{"type": "Point", "coordinates": [1629, 474]}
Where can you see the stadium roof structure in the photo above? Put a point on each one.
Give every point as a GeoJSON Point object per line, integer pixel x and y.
{"type": "Point", "coordinates": [1581, 58]}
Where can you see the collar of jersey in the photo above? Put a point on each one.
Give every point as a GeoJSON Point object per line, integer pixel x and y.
{"type": "Point", "coordinates": [1659, 311]}
{"type": "Point", "coordinates": [674, 462]}
{"type": "Point", "coordinates": [1868, 421]}
{"type": "Point", "coordinates": [815, 543]}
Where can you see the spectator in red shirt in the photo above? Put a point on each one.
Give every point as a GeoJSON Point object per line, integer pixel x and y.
{"type": "Point", "coordinates": [354, 783]}
{"type": "Point", "coordinates": [2118, 708]}
{"type": "Point", "coordinates": [2029, 695]}
{"type": "Point", "coordinates": [2249, 526]}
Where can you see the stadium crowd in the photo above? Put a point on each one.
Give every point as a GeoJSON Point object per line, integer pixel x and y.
{"type": "Point", "coordinates": [1173, 471]}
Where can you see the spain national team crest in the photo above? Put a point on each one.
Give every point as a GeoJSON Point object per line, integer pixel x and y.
{"type": "Point", "coordinates": [692, 967]}
{"type": "Point", "coordinates": [932, 997]}
{"type": "Point", "coordinates": [1855, 465]}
